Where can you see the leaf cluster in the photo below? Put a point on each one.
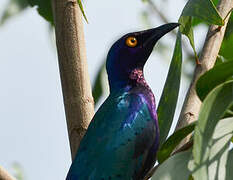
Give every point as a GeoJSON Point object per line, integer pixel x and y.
{"type": "Point", "coordinates": [212, 133]}
{"type": "Point", "coordinates": [44, 8]}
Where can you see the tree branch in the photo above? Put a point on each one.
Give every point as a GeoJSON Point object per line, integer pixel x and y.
{"type": "Point", "coordinates": [4, 175]}
{"type": "Point", "coordinates": [192, 103]}
{"type": "Point", "coordinates": [76, 87]}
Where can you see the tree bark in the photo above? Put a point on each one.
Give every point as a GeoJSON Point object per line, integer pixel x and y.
{"type": "Point", "coordinates": [215, 35]}
{"type": "Point", "coordinates": [4, 175]}
{"type": "Point", "coordinates": [76, 87]}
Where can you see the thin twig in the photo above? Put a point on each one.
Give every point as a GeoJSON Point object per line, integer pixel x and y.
{"type": "Point", "coordinates": [4, 175]}
{"type": "Point", "coordinates": [76, 86]}
{"type": "Point", "coordinates": [214, 38]}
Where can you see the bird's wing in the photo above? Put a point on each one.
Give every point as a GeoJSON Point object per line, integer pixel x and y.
{"type": "Point", "coordinates": [117, 141]}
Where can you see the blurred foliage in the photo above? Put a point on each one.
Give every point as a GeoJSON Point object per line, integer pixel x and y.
{"type": "Point", "coordinates": [12, 8]}
{"type": "Point", "coordinates": [18, 171]}
{"type": "Point", "coordinates": [43, 7]}
{"type": "Point", "coordinates": [98, 88]}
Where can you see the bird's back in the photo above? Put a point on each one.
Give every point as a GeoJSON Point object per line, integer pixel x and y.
{"type": "Point", "coordinates": [121, 140]}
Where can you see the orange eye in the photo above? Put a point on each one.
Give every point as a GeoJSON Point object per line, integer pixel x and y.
{"type": "Point", "coordinates": [131, 41]}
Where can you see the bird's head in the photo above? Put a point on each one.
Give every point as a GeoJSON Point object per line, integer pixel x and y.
{"type": "Point", "coordinates": [131, 52]}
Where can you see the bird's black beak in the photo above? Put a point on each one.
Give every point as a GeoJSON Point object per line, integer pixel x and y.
{"type": "Point", "coordinates": [151, 36]}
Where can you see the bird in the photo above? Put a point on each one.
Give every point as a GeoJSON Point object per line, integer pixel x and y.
{"type": "Point", "coordinates": [123, 137]}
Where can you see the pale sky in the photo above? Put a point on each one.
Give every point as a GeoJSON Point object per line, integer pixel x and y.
{"type": "Point", "coordinates": [33, 127]}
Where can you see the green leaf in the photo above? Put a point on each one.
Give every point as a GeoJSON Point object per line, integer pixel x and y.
{"type": "Point", "coordinates": [82, 10]}
{"type": "Point", "coordinates": [168, 100]}
{"type": "Point", "coordinates": [144, 17]}
{"type": "Point", "coordinates": [229, 112]}
{"type": "Point", "coordinates": [229, 28]}
{"type": "Point", "coordinates": [18, 171]}
{"type": "Point", "coordinates": [212, 109]}
{"type": "Point", "coordinates": [226, 47]}
{"type": "Point", "coordinates": [44, 8]}
{"type": "Point", "coordinates": [213, 78]}
{"type": "Point", "coordinates": [220, 149]}
{"type": "Point", "coordinates": [215, 2]}
{"type": "Point", "coordinates": [13, 8]}
{"type": "Point", "coordinates": [170, 144]}
{"type": "Point", "coordinates": [214, 166]}
{"type": "Point", "coordinates": [181, 165]}
{"type": "Point", "coordinates": [197, 21]}
{"type": "Point", "coordinates": [229, 172]}
{"type": "Point", "coordinates": [174, 168]}
{"type": "Point", "coordinates": [186, 29]}
{"type": "Point", "coordinates": [99, 84]}
{"type": "Point", "coordinates": [203, 9]}
{"type": "Point", "coordinates": [220, 59]}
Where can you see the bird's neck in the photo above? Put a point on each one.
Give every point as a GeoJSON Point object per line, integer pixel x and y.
{"type": "Point", "coordinates": [137, 78]}
{"type": "Point", "coordinates": [133, 79]}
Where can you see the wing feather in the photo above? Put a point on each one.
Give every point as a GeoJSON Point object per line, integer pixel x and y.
{"type": "Point", "coordinates": [117, 141]}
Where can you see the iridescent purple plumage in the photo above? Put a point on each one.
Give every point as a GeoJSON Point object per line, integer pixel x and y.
{"type": "Point", "coordinates": [140, 87]}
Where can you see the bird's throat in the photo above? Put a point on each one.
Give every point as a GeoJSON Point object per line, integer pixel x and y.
{"type": "Point", "coordinates": [137, 77]}
{"type": "Point", "coordinates": [133, 79]}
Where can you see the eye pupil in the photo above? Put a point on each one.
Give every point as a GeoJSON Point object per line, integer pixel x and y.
{"type": "Point", "coordinates": [131, 41]}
